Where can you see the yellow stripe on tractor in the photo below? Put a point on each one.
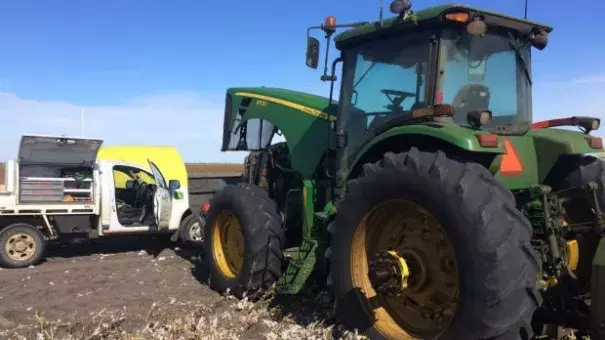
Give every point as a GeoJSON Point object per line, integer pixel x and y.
{"type": "Point", "coordinates": [302, 108]}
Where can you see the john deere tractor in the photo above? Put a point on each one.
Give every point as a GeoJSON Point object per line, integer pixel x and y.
{"type": "Point", "coordinates": [425, 198]}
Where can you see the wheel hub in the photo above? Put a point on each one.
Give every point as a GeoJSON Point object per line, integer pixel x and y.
{"type": "Point", "coordinates": [406, 269]}
{"type": "Point", "coordinates": [389, 273]}
{"type": "Point", "coordinates": [20, 247]}
{"type": "Point", "coordinates": [195, 232]}
{"type": "Point", "coordinates": [228, 244]}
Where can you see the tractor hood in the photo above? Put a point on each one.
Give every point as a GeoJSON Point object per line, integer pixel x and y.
{"type": "Point", "coordinates": [300, 118]}
{"type": "Point", "coordinates": [289, 98]}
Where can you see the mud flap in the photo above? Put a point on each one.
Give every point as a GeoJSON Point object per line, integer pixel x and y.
{"type": "Point", "coordinates": [598, 293]}
{"type": "Point", "coordinates": [175, 236]}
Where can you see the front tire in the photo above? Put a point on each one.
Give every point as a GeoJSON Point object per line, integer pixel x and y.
{"type": "Point", "coordinates": [434, 207]}
{"type": "Point", "coordinates": [192, 230]}
{"type": "Point", "coordinates": [21, 245]}
{"type": "Point", "coordinates": [243, 240]}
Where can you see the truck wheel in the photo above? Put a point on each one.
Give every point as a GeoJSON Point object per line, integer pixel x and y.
{"type": "Point", "coordinates": [427, 247]}
{"type": "Point", "coordinates": [191, 230]}
{"type": "Point", "coordinates": [243, 243]}
{"type": "Point", "coordinates": [21, 245]}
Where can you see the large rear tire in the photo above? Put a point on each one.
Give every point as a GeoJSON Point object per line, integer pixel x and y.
{"type": "Point", "coordinates": [573, 171]}
{"type": "Point", "coordinates": [425, 209]}
{"type": "Point", "coordinates": [576, 170]}
{"type": "Point", "coordinates": [243, 241]}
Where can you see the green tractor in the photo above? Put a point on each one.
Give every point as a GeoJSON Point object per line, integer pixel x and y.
{"type": "Point", "coordinates": [425, 199]}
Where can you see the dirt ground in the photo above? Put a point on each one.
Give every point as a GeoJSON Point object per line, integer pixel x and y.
{"type": "Point", "coordinates": [145, 288]}
{"type": "Point", "coordinates": [193, 168]}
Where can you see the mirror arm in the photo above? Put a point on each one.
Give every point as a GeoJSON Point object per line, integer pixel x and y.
{"type": "Point", "coordinates": [333, 78]}
{"type": "Point", "coordinates": [324, 27]}
{"type": "Point", "coordinates": [329, 31]}
{"type": "Point", "coordinates": [325, 76]}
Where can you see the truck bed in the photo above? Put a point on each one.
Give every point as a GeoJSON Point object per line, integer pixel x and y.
{"type": "Point", "coordinates": [50, 209]}
{"type": "Point", "coordinates": [202, 185]}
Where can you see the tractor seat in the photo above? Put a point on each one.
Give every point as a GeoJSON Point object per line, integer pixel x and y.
{"type": "Point", "coordinates": [470, 98]}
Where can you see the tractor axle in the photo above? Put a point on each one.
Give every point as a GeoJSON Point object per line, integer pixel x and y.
{"type": "Point", "coordinates": [389, 273]}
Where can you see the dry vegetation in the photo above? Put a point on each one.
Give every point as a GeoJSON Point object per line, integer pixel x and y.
{"type": "Point", "coordinates": [226, 318]}
{"type": "Point", "coordinates": [157, 293]}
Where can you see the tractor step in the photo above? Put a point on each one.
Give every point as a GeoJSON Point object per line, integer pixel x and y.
{"type": "Point", "coordinates": [290, 253]}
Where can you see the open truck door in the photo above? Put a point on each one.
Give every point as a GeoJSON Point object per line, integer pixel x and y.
{"type": "Point", "coordinates": [162, 202]}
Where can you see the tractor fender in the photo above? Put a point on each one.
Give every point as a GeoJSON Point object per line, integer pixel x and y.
{"type": "Point", "coordinates": [421, 135]}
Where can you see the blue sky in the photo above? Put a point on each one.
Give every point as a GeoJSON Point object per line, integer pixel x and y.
{"type": "Point", "coordinates": [155, 72]}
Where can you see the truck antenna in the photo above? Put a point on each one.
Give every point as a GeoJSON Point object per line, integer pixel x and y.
{"type": "Point", "coordinates": [381, 4]}
{"type": "Point", "coordinates": [525, 16]}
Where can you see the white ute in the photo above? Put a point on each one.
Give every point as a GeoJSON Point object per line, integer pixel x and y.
{"type": "Point", "coordinates": [58, 188]}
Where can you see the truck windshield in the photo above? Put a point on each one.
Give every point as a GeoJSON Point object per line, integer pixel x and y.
{"type": "Point", "coordinates": [489, 72]}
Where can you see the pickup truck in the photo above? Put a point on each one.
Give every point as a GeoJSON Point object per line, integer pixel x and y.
{"type": "Point", "coordinates": [64, 187]}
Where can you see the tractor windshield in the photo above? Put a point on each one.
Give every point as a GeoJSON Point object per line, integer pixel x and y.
{"type": "Point", "coordinates": [485, 72]}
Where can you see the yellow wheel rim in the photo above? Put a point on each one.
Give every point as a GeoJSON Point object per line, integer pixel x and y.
{"type": "Point", "coordinates": [427, 304]}
{"type": "Point", "coordinates": [228, 244]}
{"type": "Point", "coordinates": [20, 247]}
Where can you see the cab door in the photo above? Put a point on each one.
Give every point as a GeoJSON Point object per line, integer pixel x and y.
{"type": "Point", "coordinates": [162, 205]}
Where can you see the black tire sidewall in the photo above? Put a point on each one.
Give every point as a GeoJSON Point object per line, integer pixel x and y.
{"type": "Point", "coordinates": [218, 280]}
{"type": "Point", "coordinates": [437, 199]}
{"type": "Point", "coordinates": [6, 233]}
{"type": "Point", "coordinates": [185, 229]}
{"type": "Point", "coordinates": [584, 169]}
{"type": "Point", "coordinates": [574, 171]}
{"type": "Point", "coordinates": [577, 170]}
{"type": "Point", "coordinates": [415, 192]}
{"type": "Point", "coordinates": [253, 222]}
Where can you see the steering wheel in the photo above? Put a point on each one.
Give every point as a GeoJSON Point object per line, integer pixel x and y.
{"type": "Point", "coordinates": [400, 96]}
{"type": "Point", "coordinates": [142, 188]}
{"type": "Point", "coordinates": [397, 93]}
{"type": "Point", "coordinates": [140, 193]}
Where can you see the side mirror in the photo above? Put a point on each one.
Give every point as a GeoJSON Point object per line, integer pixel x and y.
{"type": "Point", "coordinates": [174, 184]}
{"type": "Point", "coordinates": [312, 52]}
{"type": "Point", "coordinates": [129, 184]}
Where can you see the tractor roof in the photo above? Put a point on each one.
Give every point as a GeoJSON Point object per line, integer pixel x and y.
{"type": "Point", "coordinates": [433, 14]}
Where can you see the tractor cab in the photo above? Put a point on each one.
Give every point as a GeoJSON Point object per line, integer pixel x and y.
{"type": "Point", "coordinates": [454, 64]}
